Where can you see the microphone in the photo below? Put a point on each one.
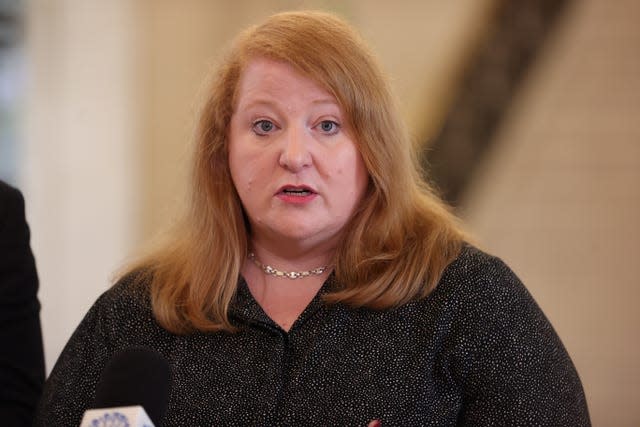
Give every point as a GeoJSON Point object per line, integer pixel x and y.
{"type": "Point", "coordinates": [133, 390]}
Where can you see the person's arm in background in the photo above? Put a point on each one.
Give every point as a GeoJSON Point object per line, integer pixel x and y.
{"type": "Point", "coordinates": [21, 353]}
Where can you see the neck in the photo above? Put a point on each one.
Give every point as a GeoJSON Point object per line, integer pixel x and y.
{"type": "Point", "coordinates": [273, 271]}
{"type": "Point", "coordinates": [292, 257]}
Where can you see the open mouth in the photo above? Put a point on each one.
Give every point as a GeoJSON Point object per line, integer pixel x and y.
{"type": "Point", "coordinates": [297, 192]}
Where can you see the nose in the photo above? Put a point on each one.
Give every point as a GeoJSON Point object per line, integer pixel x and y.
{"type": "Point", "coordinates": [295, 154]}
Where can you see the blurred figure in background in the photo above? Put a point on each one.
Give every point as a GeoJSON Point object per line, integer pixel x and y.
{"type": "Point", "coordinates": [21, 353]}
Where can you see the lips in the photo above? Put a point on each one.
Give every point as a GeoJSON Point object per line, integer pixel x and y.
{"type": "Point", "coordinates": [296, 195]}
{"type": "Point", "coordinates": [296, 190]}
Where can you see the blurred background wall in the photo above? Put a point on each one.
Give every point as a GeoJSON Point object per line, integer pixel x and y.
{"type": "Point", "coordinates": [535, 102]}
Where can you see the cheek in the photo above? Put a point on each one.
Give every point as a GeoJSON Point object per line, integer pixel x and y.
{"type": "Point", "coordinates": [240, 162]}
{"type": "Point", "coordinates": [243, 179]}
{"type": "Point", "coordinates": [352, 177]}
{"type": "Point", "coordinates": [240, 174]}
{"type": "Point", "coordinates": [234, 168]}
{"type": "Point", "coordinates": [249, 174]}
{"type": "Point", "coordinates": [359, 174]}
{"type": "Point", "coordinates": [362, 180]}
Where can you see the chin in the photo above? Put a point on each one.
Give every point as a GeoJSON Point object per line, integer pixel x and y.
{"type": "Point", "coordinates": [301, 233]}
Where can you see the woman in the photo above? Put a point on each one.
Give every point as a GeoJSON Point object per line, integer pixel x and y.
{"type": "Point", "coordinates": [316, 280]}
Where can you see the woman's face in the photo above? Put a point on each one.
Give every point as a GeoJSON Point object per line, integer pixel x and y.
{"type": "Point", "coordinates": [293, 160]}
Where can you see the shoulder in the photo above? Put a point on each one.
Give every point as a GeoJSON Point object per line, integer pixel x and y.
{"type": "Point", "coordinates": [491, 309]}
{"type": "Point", "coordinates": [473, 263]}
{"type": "Point", "coordinates": [476, 276]}
{"type": "Point", "coordinates": [8, 192]}
{"type": "Point", "coordinates": [131, 290]}
{"type": "Point", "coordinates": [503, 351]}
{"type": "Point", "coordinates": [11, 208]}
{"type": "Point", "coordinates": [495, 320]}
{"type": "Point", "coordinates": [121, 313]}
{"type": "Point", "coordinates": [129, 297]}
{"type": "Point", "coordinates": [120, 317]}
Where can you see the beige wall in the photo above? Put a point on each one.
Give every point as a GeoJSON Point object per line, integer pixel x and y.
{"type": "Point", "coordinates": [81, 169]}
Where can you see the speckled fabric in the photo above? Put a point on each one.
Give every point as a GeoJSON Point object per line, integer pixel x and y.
{"type": "Point", "coordinates": [477, 352]}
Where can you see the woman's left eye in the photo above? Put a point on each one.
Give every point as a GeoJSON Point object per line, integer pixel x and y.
{"type": "Point", "coordinates": [329, 126]}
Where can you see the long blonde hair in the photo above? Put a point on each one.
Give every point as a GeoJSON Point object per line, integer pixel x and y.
{"type": "Point", "coordinates": [394, 248]}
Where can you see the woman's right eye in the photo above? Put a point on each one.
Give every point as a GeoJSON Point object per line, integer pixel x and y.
{"type": "Point", "coordinates": [263, 127]}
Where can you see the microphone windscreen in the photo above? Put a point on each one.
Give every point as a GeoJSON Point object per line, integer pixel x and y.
{"type": "Point", "coordinates": [135, 376]}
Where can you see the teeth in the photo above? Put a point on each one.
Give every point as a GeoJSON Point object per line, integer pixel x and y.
{"type": "Point", "coordinates": [297, 192]}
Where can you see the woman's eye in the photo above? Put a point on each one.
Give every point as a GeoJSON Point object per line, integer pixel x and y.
{"type": "Point", "coordinates": [263, 127]}
{"type": "Point", "coordinates": [329, 126]}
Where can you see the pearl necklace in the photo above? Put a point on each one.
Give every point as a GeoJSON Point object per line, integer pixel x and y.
{"type": "Point", "coordinates": [267, 269]}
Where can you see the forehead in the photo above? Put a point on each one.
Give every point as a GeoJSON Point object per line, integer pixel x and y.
{"type": "Point", "coordinates": [266, 79]}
